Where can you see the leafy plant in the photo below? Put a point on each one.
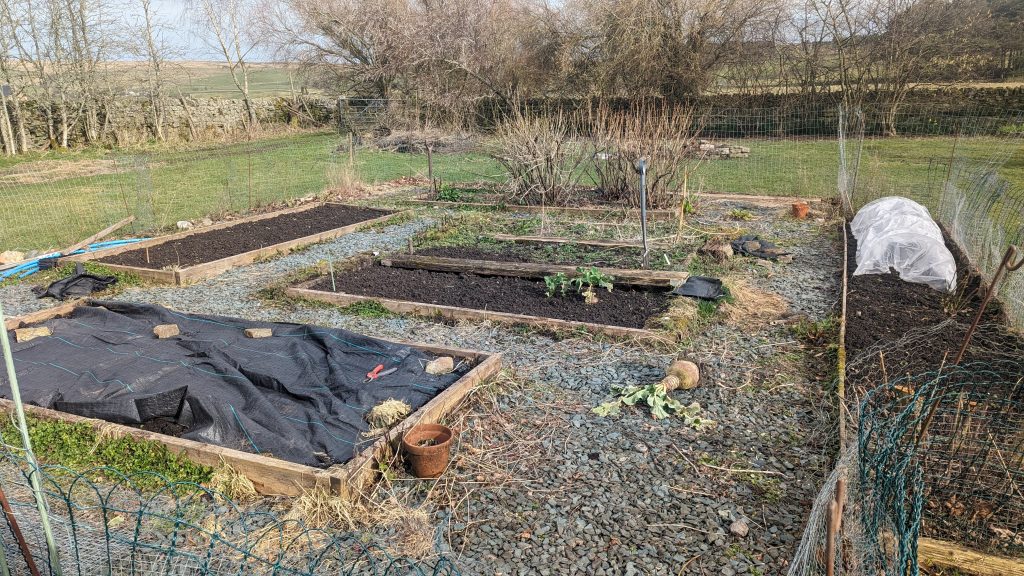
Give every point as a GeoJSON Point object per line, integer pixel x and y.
{"type": "Point", "coordinates": [446, 193]}
{"type": "Point", "coordinates": [656, 397]}
{"type": "Point", "coordinates": [588, 280]}
{"type": "Point", "coordinates": [556, 284]}
{"type": "Point", "coordinates": [740, 214]}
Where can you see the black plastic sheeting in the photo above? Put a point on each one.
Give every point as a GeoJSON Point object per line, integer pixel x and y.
{"type": "Point", "coordinates": [703, 287]}
{"type": "Point", "coordinates": [78, 284]}
{"type": "Point", "coordinates": [299, 395]}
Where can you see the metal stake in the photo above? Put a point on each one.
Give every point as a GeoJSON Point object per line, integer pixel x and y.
{"type": "Point", "coordinates": [1009, 264]}
{"type": "Point", "coordinates": [642, 168]}
{"type": "Point", "coordinates": [35, 472]}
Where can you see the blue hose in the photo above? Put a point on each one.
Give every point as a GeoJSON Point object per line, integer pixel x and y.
{"type": "Point", "coordinates": [32, 266]}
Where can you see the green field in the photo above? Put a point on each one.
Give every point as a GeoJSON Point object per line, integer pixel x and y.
{"type": "Point", "coordinates": [53, 200]}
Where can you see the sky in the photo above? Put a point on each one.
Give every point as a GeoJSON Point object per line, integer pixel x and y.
{"type": "Point", "coordinates": [173, 13]}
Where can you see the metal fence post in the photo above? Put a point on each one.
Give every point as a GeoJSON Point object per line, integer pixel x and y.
{"type": "Point", "coordinates": [642, 168]}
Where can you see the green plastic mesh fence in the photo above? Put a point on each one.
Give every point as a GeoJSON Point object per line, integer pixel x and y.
{"type": "Point", "coordinates": [117, 527]}
{"type": "Point", "coordinates": [938, 453]}
{"type": "Point", "coordinates": [941, 455]}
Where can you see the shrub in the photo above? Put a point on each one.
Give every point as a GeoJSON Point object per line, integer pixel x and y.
{"type": "Point", "coordinates": [543, 156]}
{"type": "Point", "coordinates": [665, 137]}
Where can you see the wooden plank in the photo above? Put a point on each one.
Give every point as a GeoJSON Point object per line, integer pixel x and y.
{"type": "Point", "coordinates": [272, 476]}
{"type": "Point", "coordinates": [42, 315]}
{"type": "Point", "coordinates": [156, 276]}
{"type": "Point", "coordinates": [655, 278]}
{"type": "Point", "coordinates": [456, 313]}
{"type": "Point", "coordinates": [362, 470]}
{"type": "Point", "coordinates": [101, 234]}
{"type": "Point", "coordinates": [199, 272]}
{"type": "Point", "coordinates": [192, 274]}
{"type": "Point", "coordinates": [755, 198]}
{"type": "Point", "coordinates": [941, 554]}
{"type": "Point", "coordinates": [557, 240]}
{"type": "Point", "coordinates": [653, 214]}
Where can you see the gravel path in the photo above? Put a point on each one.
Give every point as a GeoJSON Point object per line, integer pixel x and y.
{"type": "Point", "coordinates": [621, 495]}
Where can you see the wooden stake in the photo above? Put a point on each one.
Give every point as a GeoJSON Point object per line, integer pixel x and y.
{"type": "Point", "coordinates": [99, 235]}
{"type": "Point", "coordinates": [351, 150]}
{"type": "Point", "coordinates": [147, 254]}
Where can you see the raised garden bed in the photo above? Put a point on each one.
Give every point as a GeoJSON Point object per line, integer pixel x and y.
{"type": "Point", "coordinates": [276, 395]}
{"type": "Point", "coordinates": [610, 254]}
{"type": "Point", "coordinates": [498, 291]}
{"type": "Point", "coordinates": [194, 255]}
{"type": "Point", "coordinates": [493, 202]}
{"type": "Point", "coordinates": [896, 331]}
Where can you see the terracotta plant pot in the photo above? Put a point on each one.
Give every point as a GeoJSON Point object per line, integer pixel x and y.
{"type": "Point", "coordinates": [428, 447]}
{"type": "Point", "coordinates": [800, 210]}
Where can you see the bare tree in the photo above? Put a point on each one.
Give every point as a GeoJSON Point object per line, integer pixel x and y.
{"type": "Point", "coordinates": [229, 27]}
{"type": "Point", "coordinates": [156, 52]}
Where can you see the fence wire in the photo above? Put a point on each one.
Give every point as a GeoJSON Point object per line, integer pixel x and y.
{"type": "Point", "coordinates": [117, 527]}
{"type": "Point", "coordinates": [54, 202]}
{"type": "Point", "coordinates": [938, 455]}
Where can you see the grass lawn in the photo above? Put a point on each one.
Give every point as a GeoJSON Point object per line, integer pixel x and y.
{"type": "Point", "coordinates": [55, 199]}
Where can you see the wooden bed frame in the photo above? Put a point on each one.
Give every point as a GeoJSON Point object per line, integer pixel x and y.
{"type": "Point", "coordinates": [653, 214]}
{"type": "Point", "coordinates": [192, 274]}
{"type": "Point", "coordinates": [272, 476]}
{"type": "Point", "coordinates": [645, 278]}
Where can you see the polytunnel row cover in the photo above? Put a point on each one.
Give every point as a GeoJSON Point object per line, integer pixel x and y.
{"type": "Point", "coordinates": [895, 233]}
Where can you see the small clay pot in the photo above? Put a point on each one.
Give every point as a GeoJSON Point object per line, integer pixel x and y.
{"type": "Point", "coordinates": [800, 210]}
{"type": "Point", "coordinates": [428, 447]}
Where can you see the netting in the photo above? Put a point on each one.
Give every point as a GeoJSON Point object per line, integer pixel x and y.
{"type": "Point", "coordinates": [109, 523]}
{"type": "Point", "coordinates": [938, 454]}
{"type": "Point", "coordinates": [54, 203]}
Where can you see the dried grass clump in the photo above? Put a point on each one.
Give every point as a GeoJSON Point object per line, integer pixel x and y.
{"type": "Point", "coordinates": [317, 508]}
{"type": "Point", "coordinates": [544, 158]}
{"type": "Point", "coordinates": [413, 529]}
{"type": "Point", "coordinates": [388, 413]}
{"type": "Point", "coordinates": [232, 484]}
{"type": "Point", "coordinates": [680, 318]}
{"type": "Point", "coordinates": [750, 306]}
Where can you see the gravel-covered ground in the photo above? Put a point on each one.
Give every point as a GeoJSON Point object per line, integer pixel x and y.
{"type": "Point", "coordinates": [544, 486]}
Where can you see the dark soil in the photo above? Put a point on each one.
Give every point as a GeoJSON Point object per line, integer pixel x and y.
{"type": "Point", "coordinates": [964, 495]}
{"type": "Point", "coordinates": [164, 426]}
{"type": "Point", "coordinates": [621, 307]}
{"type": "Point", "coordinates": [216, 244]}
{"type": "Point", "coordinates": [881, 309]}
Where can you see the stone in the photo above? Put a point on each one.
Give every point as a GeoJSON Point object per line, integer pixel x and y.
{"type": "Point", "coordinates": [26, 334]}
{"type": "Point", "coordinates": [785, 259]}
{"type": "Point", "coordinates": [207, 222]}
{"type": "Point", "coordinates": [166, 331]}
{"type": "Point", "coordinates": [184, 225]}
{"type": "Point", "coordinates": [717, 248]}
{"type": "Point", "coordinates": [442, 365]}
{"type": "Point", "coordinates": [739, 528]}
{"type": "Point", "coordinates": [11, 256]}
{"type": "Point", "coordinates": [752, 246]}
{"type": "Point", "coordinates": [258, 332]}
{"type": "Point", "coordinates": [687, 373]}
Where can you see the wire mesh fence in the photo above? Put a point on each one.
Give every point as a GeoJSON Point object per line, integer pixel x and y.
{"type": "Point", "coordinates": [109, 523]}
{"type": "Point", "coordinates": [937, 454]}
{"type": "Point", "coordinates": [53, 203]}
{"type": "Point", "coordinates": [966, 169]}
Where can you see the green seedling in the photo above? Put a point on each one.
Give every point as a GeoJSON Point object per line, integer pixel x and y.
{"type": "Point", "coordinates": [589, 280]}
{"type": "Point", "coordinates": [556, 284]}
